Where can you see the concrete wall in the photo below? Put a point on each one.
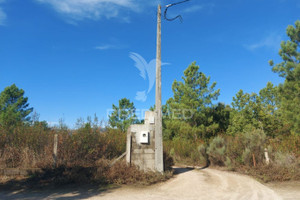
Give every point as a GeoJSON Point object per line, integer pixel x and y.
{"type": "Point", "coordinates": [142, 155]}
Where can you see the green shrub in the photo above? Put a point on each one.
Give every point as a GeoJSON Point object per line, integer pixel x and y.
{"type": "Point", "coordinates": [216, 151]}
{"type": "Point", "coordinates": [247, 157]}
{"type": "Point", "coordinates": [184, 151]}
{"type": "Point", "coordinates": [254, 142]}
{"type": "Point", "coordinates": [228, 163]}
{"type": "Point", "coordinates": [285, 159]}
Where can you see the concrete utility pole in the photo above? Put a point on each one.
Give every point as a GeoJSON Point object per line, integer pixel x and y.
{"type": "Point", "coordinates": [159, 163]}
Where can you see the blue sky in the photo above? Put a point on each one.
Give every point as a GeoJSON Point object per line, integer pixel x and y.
{"type": "Point", "coordinates": [72, 56]}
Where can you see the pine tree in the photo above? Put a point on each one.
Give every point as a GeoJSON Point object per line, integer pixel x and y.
{"type": "Point", "coordinates": [192, 102]}
{"type": "Point", "coordinates": [123, 115]}
{"type": "Point", "coordinates": [289, 69]}
{"type": "Point", "coordinates": [14, 107]}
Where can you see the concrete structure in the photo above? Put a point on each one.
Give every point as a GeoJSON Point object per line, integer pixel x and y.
{"type": "Point", "coordinates": [144, 141]}
{"type": "Point", "coordinates": [141, 143]}
{"type": "Point", "coordinates": [159, 164]}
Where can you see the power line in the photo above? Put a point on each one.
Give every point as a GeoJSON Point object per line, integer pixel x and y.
{"type": "Point", "coordinates": [169, 6]}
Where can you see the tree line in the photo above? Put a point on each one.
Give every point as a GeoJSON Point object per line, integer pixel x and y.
{"type": "Point", "coordinates": [191, 113]}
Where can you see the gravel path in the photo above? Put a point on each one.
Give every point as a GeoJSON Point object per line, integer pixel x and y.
{"type": "Point", "coordinates": [187, 185]}
{"type": "Point", "coordinates": [205, 184]}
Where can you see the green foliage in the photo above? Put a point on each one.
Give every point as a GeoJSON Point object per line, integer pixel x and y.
{"type": "Point", "coordinates": [289, 69]}
{"type": "Point", "coordinates": [14, 107]}
{"type": "Point", "coordinates": [254, 142]}
{"type": "Point", "coordinates": [191, 105]}
{"type": "Point", "coordinates": [192, 95]}
{"type": "Point", "coordinates": [247, 157]}
{"type": "Point", "coordinates": [228, 163]}
{"type": "Point", "coordinates": [246, 112]}
{"type": "Point", "coordinates": [285, 159]}
{"type": "Point", "coordinates": [269, 98]}
{"type": "Point", "coordinates": [221, 116]}
{"type": "Point", "coordinates": [185, 151]}
{"type": "Point", "coordinates": [123, 115]}
{"type": "Point", "coordinates": [258, 111]}
{"type": "Point", "coordinates": [216, 151]}
{"type": "Point", "coordinates": [286, 144]}
{"type": "Point", "coordinates": [180, 129]}
{"type": "Point", "coordinates": [237, 150]}
{"type": "Point", "coordinates": [289, 53]}
{"type": "Point", "coordinates": [89, 123]}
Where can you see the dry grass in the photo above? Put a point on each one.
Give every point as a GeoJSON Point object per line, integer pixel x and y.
{"type": "Point", "coordinates": [83, 156]}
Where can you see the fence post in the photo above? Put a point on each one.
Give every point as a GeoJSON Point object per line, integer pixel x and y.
{"type": "Point", "coordinates": [55, 150]}
{"type": "Point", "coordinates": [254, 161]}
{"type": "Point", "coordinates": [267, 156]}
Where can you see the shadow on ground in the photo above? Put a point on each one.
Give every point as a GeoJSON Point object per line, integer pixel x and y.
{"type": "Point", "coordinates": [20, 189]}
{"type": "Point", "coordinates": [181, 170]}
{"type": "Point", "coordinates": [36, 188]}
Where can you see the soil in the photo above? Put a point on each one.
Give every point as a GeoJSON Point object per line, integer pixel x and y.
{"type": "Point", "coordinates": [187, 184]}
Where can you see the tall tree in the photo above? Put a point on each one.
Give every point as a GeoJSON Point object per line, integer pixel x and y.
{"type": "Point", "coordinates": [289, 69]}
{"type": "Point", "coordinates": [272, 117]}
{"type": "Point", "coordinates": [269, 98]}
{"type": "Point", "coordinates": [123, 115]}
{"type": "Point", "coordinates": [258, 111]}
{"type": "Point", "coordinates": [192, 101]}
{"type": "Point", "coordinates": [14, 107]}
{"type": "Point", "coordinates": [246, 112]}
{"type": "Point", "coordinates": [221, 115]}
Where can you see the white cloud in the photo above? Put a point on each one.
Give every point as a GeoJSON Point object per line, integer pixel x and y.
{"type": "Point", "coordinates": [272, 41]}
{"type": "Point", "coordinates": [193, 9]}
{"type": "Point", "coordinates": [2, 17]}
{"type": "Point", "coordinates": [2, 14]}
{"type": "Point", "coordinates": [106, 47]}
{"type": "Point", "coordinates": [95, 9]}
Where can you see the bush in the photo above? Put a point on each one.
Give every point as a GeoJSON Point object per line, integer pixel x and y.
{"type": "Point", "coordinates": [102, 173]}
{"type": "Point", "coordinates": [285, 160]}
{"type": "Point", "coordinates": [216, 151]}
{"type": "Point", "coordinates": [121, 173]}
{"type": "Point", "coordinates": [254, 144]}
{"type": "Point", "coordinates": [184, 151]}
{"type": "Point", "coordinates": [285, 144]}
{"type": "Point", "coordinates": [32, 146]}
{"type": "Point", "coordinates": [84, 156]}
{"type": "Point", "coordinates": [236, 153]}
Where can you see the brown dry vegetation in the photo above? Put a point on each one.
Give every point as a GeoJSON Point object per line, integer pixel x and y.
{"type": "Point", "coordinates": [84, 156]}
{"type": "Point", "coordinates": [235, 153]}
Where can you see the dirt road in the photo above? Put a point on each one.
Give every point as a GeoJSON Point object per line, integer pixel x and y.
{"type": "Point", "coordinates": [188, 184]}
{"type": "Point", "coordinates": [205, 184]}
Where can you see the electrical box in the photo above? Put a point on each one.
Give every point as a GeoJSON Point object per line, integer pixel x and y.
{"type": "Point", "coordinates": [144, 137]}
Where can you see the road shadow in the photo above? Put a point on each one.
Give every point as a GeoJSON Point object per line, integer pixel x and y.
{"type": "Point", "coordinates": [19, 189]}
{"type": "Point", "coordinates": [206, 166]}
{"type": "Point", "coordinates": [181, 170]}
